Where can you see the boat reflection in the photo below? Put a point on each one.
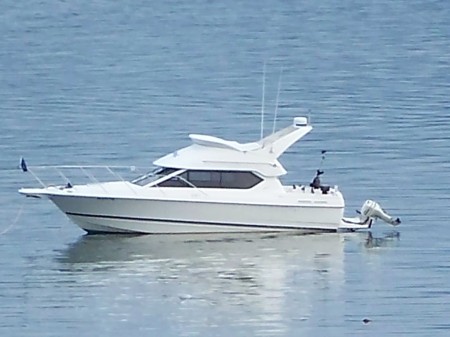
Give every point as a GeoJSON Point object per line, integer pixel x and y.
{"type": "Point", "coordinates": [388, 239]}
{"type": "Point", "coordinates": [115, 248]}
{"type": "Point", "coordinates": [270, 276]}
{"type": "Point", "coordinates": [126, 248]}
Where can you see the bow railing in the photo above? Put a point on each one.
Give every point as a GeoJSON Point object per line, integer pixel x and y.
{"type": "Point", "coordinates": [69, 175]}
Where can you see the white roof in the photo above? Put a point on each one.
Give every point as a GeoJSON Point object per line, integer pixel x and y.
{"type": "Point", "coordinates": [212, 141]}
{"type": "Point", "coordinates": [213, 153]}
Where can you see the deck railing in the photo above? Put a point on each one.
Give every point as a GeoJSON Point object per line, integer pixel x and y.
{"type": "Point", "coordinates": [51, 175]}
{"type": "Point", "coordinates": [70, 175]}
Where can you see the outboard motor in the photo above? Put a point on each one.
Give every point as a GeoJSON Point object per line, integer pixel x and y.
{"type": "Point", "coordinates": [371, 209]}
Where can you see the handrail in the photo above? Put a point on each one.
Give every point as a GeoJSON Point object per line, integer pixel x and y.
{"type": "Point", "coordinates": [84, 169]}
{"type": "Point", "coordinates": [131, 167]}
{"type": "Point", "coordinates": [143, 177]}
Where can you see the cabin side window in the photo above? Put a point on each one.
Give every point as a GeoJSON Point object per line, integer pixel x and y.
{"type": "Point", "coordinates": [208, 179]}
{"type": "Point", "coordinates": [239, 180]}
{"type": "Point", "coordinates": [213, 179]}
{"type": "Point", "coordinates": [175, 181]}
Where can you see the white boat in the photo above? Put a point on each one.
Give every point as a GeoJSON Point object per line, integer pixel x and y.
{"type": "Point", "coordinates": [213, 185]}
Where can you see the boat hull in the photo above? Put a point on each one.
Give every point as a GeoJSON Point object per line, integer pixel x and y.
{"type": "Point", "coordinates": [156, 216]}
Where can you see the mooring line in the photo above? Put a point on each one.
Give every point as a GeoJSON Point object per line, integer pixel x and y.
{"type": "Point", "coordinates": [19, 213]}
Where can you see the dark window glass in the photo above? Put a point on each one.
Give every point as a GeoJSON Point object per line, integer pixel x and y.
{"type": "Point", "coordinates": [209, 179]}
{"type": "Point", "coordinates": [239, 180]}
{"type": "Point", "coordinates": [213, 179]}
{"type": "Point", "coordinates": [174, 182]}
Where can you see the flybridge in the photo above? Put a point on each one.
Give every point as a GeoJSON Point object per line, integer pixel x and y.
{"type": "Point", "coordinates": [209, 152]}
{"type": "Point", "coordinates": [280, 140]}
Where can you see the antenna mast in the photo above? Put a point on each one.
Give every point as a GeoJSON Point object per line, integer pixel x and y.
{"type": "Point", "coordinates": [262, 105]}
{"type": "Point", "coordinates": [276, 104]}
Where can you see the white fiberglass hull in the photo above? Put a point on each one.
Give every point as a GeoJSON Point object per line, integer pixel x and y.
{"type": "Point", "coordinates": [211, 186]}
{"type": "Point", "coordinates": [115, 215]}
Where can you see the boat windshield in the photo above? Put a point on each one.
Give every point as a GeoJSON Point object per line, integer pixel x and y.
{"type": "Point", "coordinates": [153, 175]}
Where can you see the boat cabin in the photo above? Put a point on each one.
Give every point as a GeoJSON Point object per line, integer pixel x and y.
{"type": "Point", "coordinates": [212, 162]}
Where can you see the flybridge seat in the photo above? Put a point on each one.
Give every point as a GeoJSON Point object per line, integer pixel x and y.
{"type": "Point", "coordinates": [217, 142]}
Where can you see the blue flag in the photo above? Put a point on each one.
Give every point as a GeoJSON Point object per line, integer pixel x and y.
{"type": "Point", "coordinates": [23, 165]}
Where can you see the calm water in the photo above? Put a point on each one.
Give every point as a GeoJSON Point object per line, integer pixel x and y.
{"type": "Point", "coordinates": [121, 83]}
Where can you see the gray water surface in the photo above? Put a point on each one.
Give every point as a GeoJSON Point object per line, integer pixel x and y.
{"type": "Point", "coordinates": [122, 83]}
